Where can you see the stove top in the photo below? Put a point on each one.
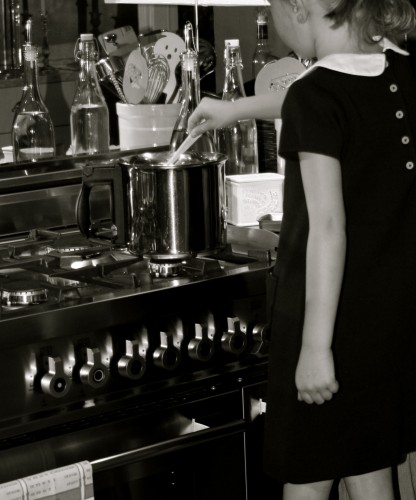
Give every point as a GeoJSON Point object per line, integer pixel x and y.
{"type": "Point", "coordinates": [51, 269]}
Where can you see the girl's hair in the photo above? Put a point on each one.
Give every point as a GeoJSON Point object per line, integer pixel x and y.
{"type": "Point", "coordinates": [391, 19]}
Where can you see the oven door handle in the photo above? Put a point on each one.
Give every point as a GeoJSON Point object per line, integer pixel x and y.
{"type": "Point", "coordinates": [170, 445]}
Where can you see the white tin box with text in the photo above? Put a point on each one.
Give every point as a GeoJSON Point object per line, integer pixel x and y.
{"type": "Point", "coordinates": [250, 196]}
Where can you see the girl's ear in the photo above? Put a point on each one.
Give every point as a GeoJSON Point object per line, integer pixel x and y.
{"type": "Point", "coordinates": [299, 7]}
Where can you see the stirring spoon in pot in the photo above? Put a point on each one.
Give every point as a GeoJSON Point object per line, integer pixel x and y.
{"type": "Point", "coordinates": [187, 143]}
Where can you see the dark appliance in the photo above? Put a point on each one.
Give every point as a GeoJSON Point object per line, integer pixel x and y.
{"type": "Point", "coordinates": [154, 374]}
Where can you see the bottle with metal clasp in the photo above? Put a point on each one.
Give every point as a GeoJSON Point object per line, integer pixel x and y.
{"type": "Point", "coordinates": [237, 141]}
{"type": "Point", "coordinates": [191, 97]}
{"type": "Point", "coordinates": [262, 53]}
{"type": "Point", "coordinates": [90, 127]}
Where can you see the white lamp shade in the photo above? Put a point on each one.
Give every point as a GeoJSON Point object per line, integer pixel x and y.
{"type": "Point", "coordinates": [202, 3]}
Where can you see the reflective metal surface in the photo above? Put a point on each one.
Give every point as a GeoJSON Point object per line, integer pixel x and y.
{"type": "Point", "coordinates": [160, 211]}
{"type": "Point", "coordinates": [138, 369]}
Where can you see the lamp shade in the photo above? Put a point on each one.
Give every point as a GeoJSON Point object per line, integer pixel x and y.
{"type": "Point", "coordinates": [202, 3]}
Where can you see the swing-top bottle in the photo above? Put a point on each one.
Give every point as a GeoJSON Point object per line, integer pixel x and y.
{"type": "Point", "coordinates": [237, 141]}
{"type": "Point", "coordinates": [262, 52]}
{"type": "Point", "coordinates": [190, 100]}
{"type": "Point", "coordinates": [33, 134]}
{"type": "Point", "coordinates": [90, 129]}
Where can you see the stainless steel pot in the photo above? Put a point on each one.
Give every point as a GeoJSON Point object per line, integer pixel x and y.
{"type": "Point", "coordinates": [161, 211]}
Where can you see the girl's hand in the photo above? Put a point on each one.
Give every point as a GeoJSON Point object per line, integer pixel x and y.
{"type": "Point", "coordinates": [216, 113]}
{"type": "Point", "coordinates": [315, 375]}
{"type": "Point", "coordinates": [209, 115]}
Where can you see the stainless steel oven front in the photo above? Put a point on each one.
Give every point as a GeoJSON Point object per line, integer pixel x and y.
{"type": "Point", "coordinates": [155, 378]}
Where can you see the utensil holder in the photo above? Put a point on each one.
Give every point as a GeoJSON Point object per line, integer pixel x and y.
{"type": "Point", "coordinates": [146, 125]}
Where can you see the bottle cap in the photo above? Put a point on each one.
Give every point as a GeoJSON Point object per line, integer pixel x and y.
{"type": "Point", "coordinates": [30, 52]}
{"type": "Point", "coordinates": [189, 60]}
{"type": "Point", "coordinates": [87, 45]}
{"type": "Point", "coordinates": [233, 43]}
{"type": "Point", "coordinates": [262, 17]}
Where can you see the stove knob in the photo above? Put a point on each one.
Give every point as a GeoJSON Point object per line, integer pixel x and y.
{"type": "Point", "coordinates": [132, 365]}
{"type": "Point", "coordinates": [93, 372]}
{"type": "Point", "coordinates": [261, 339]}
{"type": "Point", "coordinates": [55, 382]}
{"type": "Point", "coordinates": [167, 356]}
{"type": "Point", "coordinates": [234, 340]}
{"type": "Point", "coordinates": [201, 348]}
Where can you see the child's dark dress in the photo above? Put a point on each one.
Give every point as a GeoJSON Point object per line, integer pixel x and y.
{"type": "Point", "coordinates": [369, 124]}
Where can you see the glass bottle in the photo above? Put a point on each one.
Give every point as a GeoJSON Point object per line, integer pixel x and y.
{"type": "Point", "coordinates": [90, 127]}
{"type": "Point", "coordinates": [33, 134]}
{"type": "Point", "coordinates": [238, 141]}
{"type": "Point", "coordinates": [262, 53]}
{"type": "Point", "coordinates": [190, 100]}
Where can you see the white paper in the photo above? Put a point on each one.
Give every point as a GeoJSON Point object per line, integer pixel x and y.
{"type": "Point", "coordinates": [72, 482]}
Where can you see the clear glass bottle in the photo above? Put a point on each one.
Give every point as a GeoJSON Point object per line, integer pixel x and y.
{"type": "Point", "coordinates": [190, 100]}
{"type": "Point", "coordinates": [90, 126]}
{"type": "Point", "coordinates": [238, 141]}
{"type": "Point", "coordinates": [262, 52]}
{"type": "Point", "coordinates": [33, 134]}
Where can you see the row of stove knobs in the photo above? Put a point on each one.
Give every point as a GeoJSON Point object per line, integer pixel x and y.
{"type": "Point", "coordinates": [132, 364]}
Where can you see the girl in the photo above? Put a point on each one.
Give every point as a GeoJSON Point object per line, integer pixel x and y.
{"type": "Point", "coordinates": [342, 380]}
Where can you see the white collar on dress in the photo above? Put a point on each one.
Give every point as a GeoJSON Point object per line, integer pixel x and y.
{"type": "Point", "coordinates": [357, 64]}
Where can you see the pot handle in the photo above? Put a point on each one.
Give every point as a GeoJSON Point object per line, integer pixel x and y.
{"type": "Point", "coordinates": [83, 210]}
{"type": "Point", "coordinates": [110, 175]}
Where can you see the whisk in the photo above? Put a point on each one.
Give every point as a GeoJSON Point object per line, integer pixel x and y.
{"type": "Point", "coordinates": [159, 73]}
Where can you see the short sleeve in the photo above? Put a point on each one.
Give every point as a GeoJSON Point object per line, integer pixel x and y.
{"type": "Point", "coordinates": [311, 120]}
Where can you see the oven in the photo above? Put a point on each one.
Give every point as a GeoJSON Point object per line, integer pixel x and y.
{"type": "Point", "coordinates": [156, 378]}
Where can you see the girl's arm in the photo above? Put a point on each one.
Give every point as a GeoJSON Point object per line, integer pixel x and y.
{"type": "Point", "coordinates": [215, 113]}
{"type": "Point", "coordinates": [325, 259]}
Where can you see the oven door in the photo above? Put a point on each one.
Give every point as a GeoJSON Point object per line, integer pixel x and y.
{"type": "Point", "coordinates": [189, 445]}
{"type": "Point", "coordinates": [203, 465]}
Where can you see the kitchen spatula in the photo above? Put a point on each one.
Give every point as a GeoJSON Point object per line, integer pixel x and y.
{"type": "Point", "coordinates": [187, 143]}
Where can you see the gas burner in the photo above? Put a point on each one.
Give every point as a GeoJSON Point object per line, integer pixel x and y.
{"type": "Point", "coordinates": [192, 266]}
{"type": "Point", "coordinates": [77, 257]}
{"type": "Point", "coordinates": [76, 250]}
{"type": "Point", "coordinates": [22, 293]}
{"type": "Point", "coordinates": [66, 250]}
{"type": "Point", "coordinates": [165, 269]}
